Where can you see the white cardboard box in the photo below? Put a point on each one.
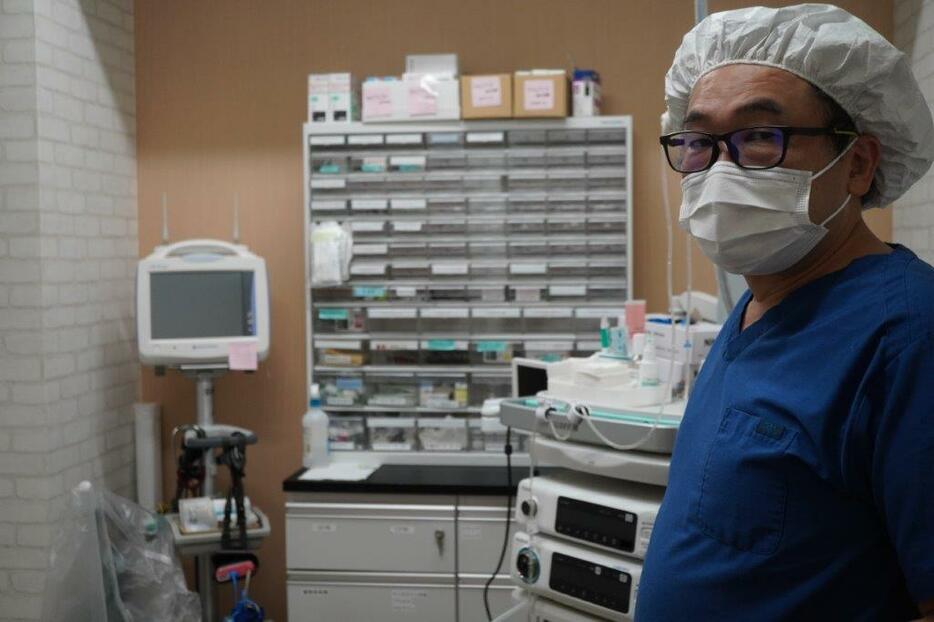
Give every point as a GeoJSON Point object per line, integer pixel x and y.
{"type": "Point", "coordinates": [412, 99]}
{"type": "Point", "coordinates": [586, 98]}
{"type": "Point", "coordinates": [433, 64]}
{"type": "Point", "coordinates": [343, 98]}
{"type": "Point", "coordinates": [332, 97]}
{"type": "Point", "coordinates": [702, 336]}
{"type": "Point", "coordinates": [318, 85]}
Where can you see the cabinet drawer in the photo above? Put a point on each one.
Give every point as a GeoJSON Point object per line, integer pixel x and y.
{"type": "Point", "coordinates": [480, 532]}
{"type": "Point", "coordinates": [470, 596]}
{"type": "Point", "coordinates": [374, 537]}
{"type": "Point", "coordinates": [316, 596]}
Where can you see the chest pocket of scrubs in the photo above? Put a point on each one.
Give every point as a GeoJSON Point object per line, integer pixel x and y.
{"type": "Point", "coordinates": [744, 488]}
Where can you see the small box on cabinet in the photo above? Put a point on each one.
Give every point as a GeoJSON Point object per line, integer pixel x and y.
{"type": "Point", "coordinates": [486, 97]}
{"type": "Point", "coordinates": [541, 93]}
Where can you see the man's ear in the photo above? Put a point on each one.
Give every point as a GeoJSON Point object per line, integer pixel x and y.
{"type": "Point", "coordinates": [863, 163]}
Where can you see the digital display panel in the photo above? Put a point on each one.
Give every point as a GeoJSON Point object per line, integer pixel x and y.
{"type": "Point", "coordinates": [192, 305]}
{"type": "Point", "coordinates": [594, 583]}
{"type": "Point", "coordinates": [596, 523]}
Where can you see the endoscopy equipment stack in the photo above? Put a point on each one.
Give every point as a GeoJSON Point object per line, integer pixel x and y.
{"type": "Point", "coordinates": [609, 422]}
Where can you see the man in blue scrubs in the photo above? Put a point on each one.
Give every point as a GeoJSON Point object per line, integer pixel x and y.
{"type": "Point", "coordinates": [802, 482]}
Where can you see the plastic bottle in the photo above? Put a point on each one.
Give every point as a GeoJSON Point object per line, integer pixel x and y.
{"type": "Point", "coordinates": [605, 334]}
{"type": "Point", "coordinates": [315, 446]}
{"type": "Point", "coordinates": [638, 346]}
{"type": "Point", "coordinates": [619, 338]}
{"type": "Point", "coordinates": [648, 366]}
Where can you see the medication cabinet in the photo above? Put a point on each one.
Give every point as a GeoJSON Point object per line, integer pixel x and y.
{"type": "Point", "coordinates": [474, 242]}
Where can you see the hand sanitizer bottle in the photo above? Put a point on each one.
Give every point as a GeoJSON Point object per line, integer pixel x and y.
{"type": "Point", "coordinates": [315, 446]}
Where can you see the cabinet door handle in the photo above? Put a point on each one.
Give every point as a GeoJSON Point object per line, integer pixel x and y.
{"type": "Point", "coordinates": [439, 540]}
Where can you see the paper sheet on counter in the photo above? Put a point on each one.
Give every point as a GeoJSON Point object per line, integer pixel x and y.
{"type": "Point", "coordinates": [339, 471]}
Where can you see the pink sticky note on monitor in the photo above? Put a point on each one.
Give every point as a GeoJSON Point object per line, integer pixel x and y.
{"type": "Point", "coordinates": [635, 316]}
{"type": "Point", "coordinates": [242, 356]}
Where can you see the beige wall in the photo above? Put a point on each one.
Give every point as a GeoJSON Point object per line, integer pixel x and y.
{"type": "Point", "coordinates": [221, 99]}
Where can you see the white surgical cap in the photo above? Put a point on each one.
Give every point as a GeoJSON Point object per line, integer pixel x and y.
{"type": "Point", "coordinates": [836, 52]}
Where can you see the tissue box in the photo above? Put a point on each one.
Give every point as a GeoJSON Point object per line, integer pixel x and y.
{"type": "Point", "coordinates": [432, 64]}
{"type": "Point", "coordinates": [486, 97]}
{"type": "Point", "coordinates": [702, 336]}
{"type": "Point", "coordinates": [414, 98]}
{"type": "Point", "coordinates": [542, 93]}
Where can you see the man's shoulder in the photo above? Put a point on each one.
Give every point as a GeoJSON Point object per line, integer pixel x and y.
{"type": "Point", "coordinates": [909, 297]}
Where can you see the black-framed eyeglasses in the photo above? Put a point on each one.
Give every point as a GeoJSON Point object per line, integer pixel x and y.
{"type": "Point", "coordinates": [749, 147]}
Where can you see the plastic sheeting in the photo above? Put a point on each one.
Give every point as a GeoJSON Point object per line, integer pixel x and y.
{"type": "Point", "coordinates": [113, 561]}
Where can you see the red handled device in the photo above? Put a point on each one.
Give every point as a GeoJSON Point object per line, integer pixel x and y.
{"type": "Point", "coordinates": [240, 569]}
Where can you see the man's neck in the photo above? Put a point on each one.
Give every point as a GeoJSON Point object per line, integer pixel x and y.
{"type": "Point", "coordinates": [829, 256]}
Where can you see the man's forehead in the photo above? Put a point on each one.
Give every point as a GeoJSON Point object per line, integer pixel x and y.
{"type": "Point", "coordinates": [748, 89]}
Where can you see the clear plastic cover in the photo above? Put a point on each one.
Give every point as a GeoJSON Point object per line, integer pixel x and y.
{"type": "Point", "coordinates": [113, 561]}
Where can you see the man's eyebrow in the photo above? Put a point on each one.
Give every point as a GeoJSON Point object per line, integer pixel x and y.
{"type": "Point", "coordinates": [764, 104]}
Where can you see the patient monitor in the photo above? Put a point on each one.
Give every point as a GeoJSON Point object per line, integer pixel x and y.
{"type": "Point", "coordinates": [197, 300]}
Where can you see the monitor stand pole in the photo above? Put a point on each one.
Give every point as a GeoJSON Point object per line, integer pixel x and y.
{"type": "Point", "coordinates": [204, 386]}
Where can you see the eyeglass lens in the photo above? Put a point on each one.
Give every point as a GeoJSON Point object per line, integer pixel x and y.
{"type": "Point", "coordinates": [757, 147]}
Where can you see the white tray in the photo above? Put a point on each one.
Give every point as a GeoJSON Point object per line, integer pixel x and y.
{"type": "Point", "coordinates": [210, 541]}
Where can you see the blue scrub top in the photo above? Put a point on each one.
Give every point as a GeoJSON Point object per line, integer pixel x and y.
{"type": "Point", "coordinates": [802, 480]}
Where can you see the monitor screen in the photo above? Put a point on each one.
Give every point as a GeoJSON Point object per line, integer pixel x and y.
{"type": "Point", "coordinates": [530, 380]}
{"type": "Point", "coordinates": [188, 305]}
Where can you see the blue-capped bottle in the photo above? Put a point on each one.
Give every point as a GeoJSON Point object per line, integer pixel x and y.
{"type": "Point", "coordinates": [315, 445]}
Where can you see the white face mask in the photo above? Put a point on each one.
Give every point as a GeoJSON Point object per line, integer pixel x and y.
{"type": "Point", "coordinates": [753, 221]}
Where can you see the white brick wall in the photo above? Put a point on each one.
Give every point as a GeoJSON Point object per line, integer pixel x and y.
{"type": "Point", "coordinates": [22, 390]}
{"type": "Point", "coordinates": [913, 216]}
{"type": "Point", "coordinates": [68, 370]}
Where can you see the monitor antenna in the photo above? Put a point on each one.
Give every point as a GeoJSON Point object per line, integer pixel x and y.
{"type": "Point", "coordinates": [236, 222]}
{"type": "Point", "coordinates": [165, 218]}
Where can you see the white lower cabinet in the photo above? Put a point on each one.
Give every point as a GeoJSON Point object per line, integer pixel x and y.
{"type": "Point", "coordinates": [371, 537]}
{"type": "Point", "coordinates": [414, 558]}
{"type": "Point", "coordinates": [361, 597]}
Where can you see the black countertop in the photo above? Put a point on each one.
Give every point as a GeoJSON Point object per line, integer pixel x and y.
{"type": "Point", "coordinates": [419, 479]}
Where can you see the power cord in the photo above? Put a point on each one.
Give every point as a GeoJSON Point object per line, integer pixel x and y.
{"type": "Point", "coordinates": [502, 553]}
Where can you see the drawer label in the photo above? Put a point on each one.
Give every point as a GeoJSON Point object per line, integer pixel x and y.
{"type": "Point", "coordinates": [548, 312]}
{"type": "Point", "coordinates": [324, 527]}
{"type": "Point", "coordinates": [406, 599]}
{"type": "Point", "coordinates": [491, 346]}
{"type": "Point", "coordinates": [384, 345]}
{"type": "Point", "coordinates": [391, 313]}
{"type": "Point", "coordinates": [369, 204]}
{"type": "Point", "coordinates": [370, 249]}
{"type": "Point", "coordinates": [444, 345]}
{"type": "Point", "coordinates": [367, 226]}
{"type": "Point", "coordinates": [367, 268]}
{"type": "Point", "coordinates": [496, 312]}
{"type": "Point", "coordinates": [402, 530]}
{"type": "Point", "coordinates": [471, 532]}
{"type": "Point", "coordinates": [332, 314]}
{"type": "Point", "coordinates": [369, 292]}
{"type": "Point", "coordinates": [567, 290]}
{"type": "Point", "coordinates": [407, 227]}
{"type": "Point", "coordinates": [446, 313]}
